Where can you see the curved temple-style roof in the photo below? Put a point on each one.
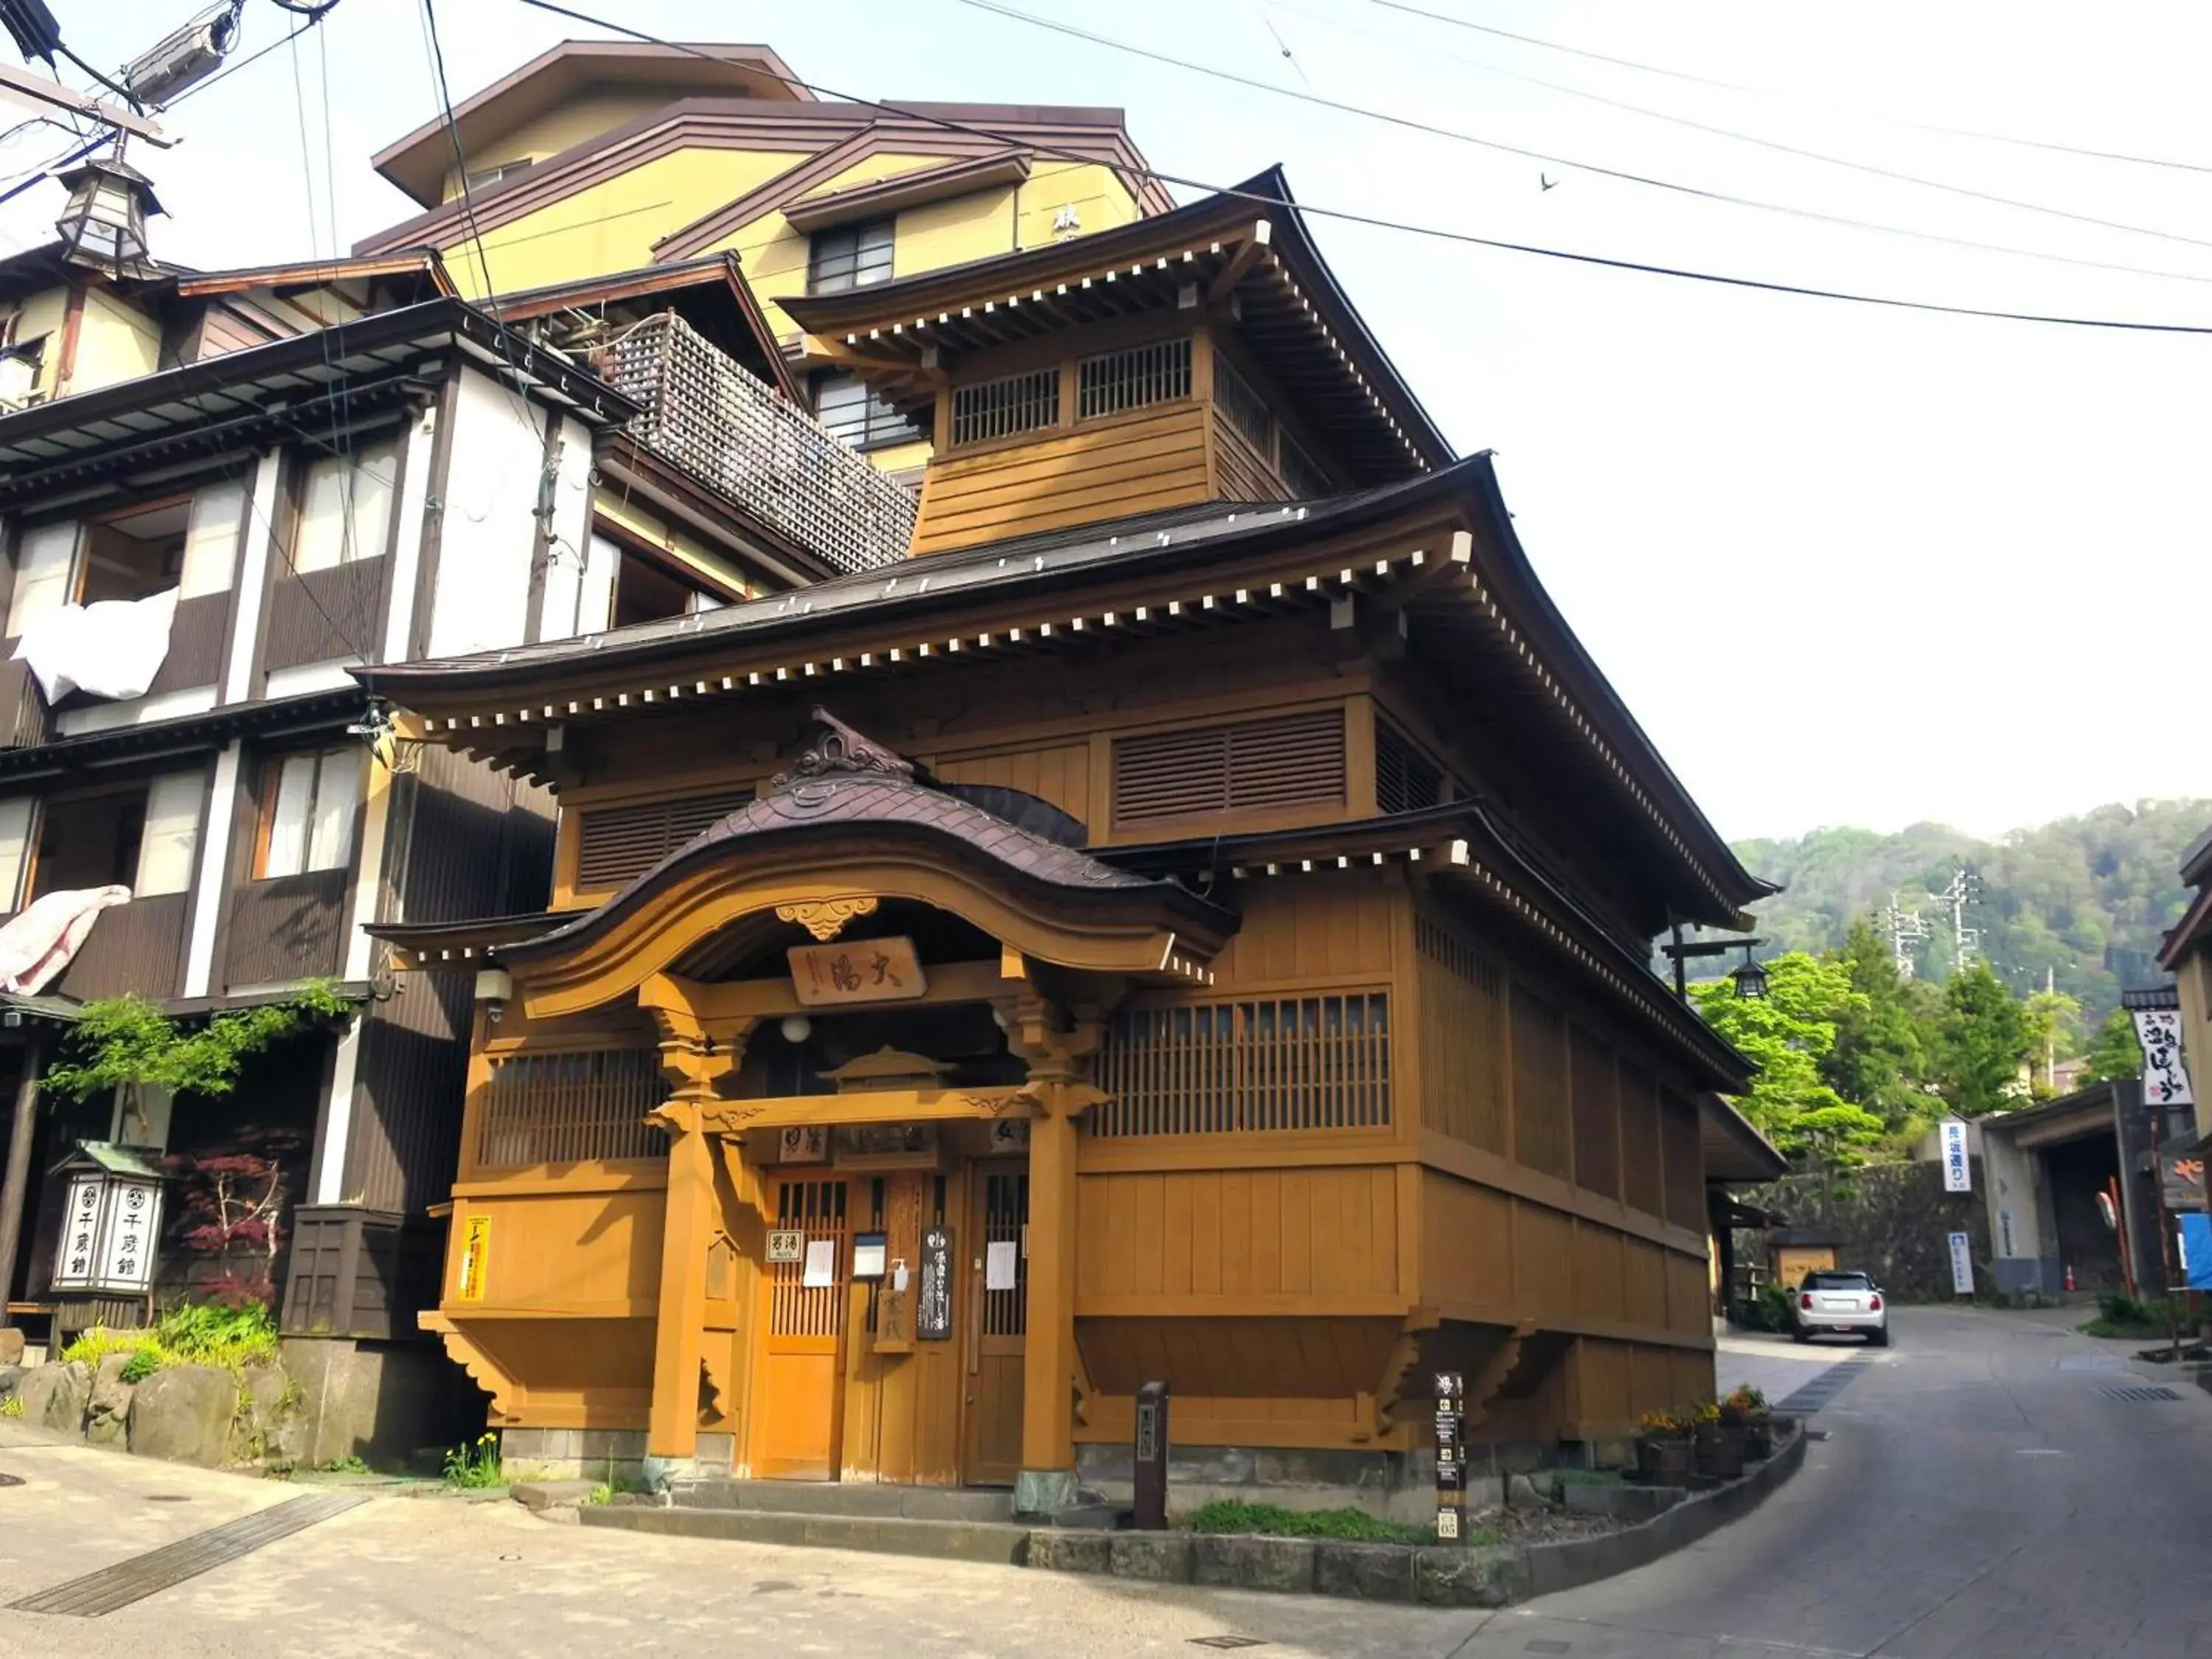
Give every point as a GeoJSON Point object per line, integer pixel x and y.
{"type": "Point", "coordinates": [848, 805]}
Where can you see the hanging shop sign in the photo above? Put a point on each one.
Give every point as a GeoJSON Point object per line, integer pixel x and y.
{"type": "Point", "coordinates": [933, 1317]}
{"type": "Point", "coordinates": [2181, 1181]}
{"type": "Point", "coordinates": [1958, 1172]}
{"type": "Point", "coordinates": [476, 1257]}
{"type": "Point", "coordinates": [2165, 1079]}
{"type": "Point", "coordinates": [803, 1143]}
{"type": "Point", "coordinates": [862, 970]}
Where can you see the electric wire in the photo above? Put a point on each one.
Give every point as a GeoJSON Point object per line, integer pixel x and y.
{"type": "Point", "coordinates": [1975, 133]}
{"type": "Point", "coordinates": [1437, 233]}
{"type": "Point", "coordinates": [1622, 175]}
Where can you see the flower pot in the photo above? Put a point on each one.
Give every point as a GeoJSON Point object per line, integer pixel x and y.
{"type": "Point", "coordinates": [1720, 1449]}
{"type": "Point", "coordinates": [1758, 1437]}
{"type": "Point", "coordinates": [1665, 1462]}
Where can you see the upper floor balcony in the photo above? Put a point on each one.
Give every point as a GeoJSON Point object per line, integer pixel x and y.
{"type": "Point", "coordinates": [722, 425]}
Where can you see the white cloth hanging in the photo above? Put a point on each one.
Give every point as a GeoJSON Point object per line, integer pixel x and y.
{"type": "Point", "coordinates": [46, 936]}
{"type": "Point", "coordinates": [112, 648]}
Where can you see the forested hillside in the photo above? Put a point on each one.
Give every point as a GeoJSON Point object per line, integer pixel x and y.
{"type": "Point", "coordinates": [2084, 898]}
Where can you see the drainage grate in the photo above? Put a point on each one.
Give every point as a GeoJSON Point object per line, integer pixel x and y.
{"type": "Point", "coordinates": [1812, 1395]}
{"type": "Point", "coordinates": [142, 1575]}
{"type": "Point", "coordinates": [2138, 1394]}
{"type": "Point", "coordinates": [1549, 1647]}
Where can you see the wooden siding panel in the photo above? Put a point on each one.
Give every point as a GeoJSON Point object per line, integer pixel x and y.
{"type": "Point", "coordinates": [615, 845]}
{"type": "Point", "coordinates": [1597, 1117]}
{"type": "Point", "coordinates": [1242, 473]}
{"type": "Point", "coordinates": [1600, 1281]}
{"type": "Point", "coordinates": [406, 1133]}
{"type": "Point", "coordinates": [1464, 1082]}
{"type": "Point", "coordinates": [1683, 1159]}
{"type": "Point", "coordinates": [196, 638]}
{"type": "Point", "coordinates": [558, 1249]}
{"type": "Point", "coordinates": [1124, 464]}
{"type": "Point", "coordinates": [1325, 1231]}
{"type": "Point", "coordinates": [479, 843]}
{"type": "Point", "coordinates": [1689, 1298]}
{"type": "Point", "coordinates": [327, 614]}
{"type": "Point", "coordinates": [1263, 766]}
{"type": "Point", "coordinates": [1644, 1276]}
{"type": "Point", "coordinates": [1540, 1134]}
{"type": "Point", "coordinates": [1060, 776]}
{"type": "Point", "coordinates": [1643, 1180]}
{"type": "Point", "coordinates": [1317, 927]}
{"type": "Point", "coordinates": [1466, 1241]}
{"type": "Point", "coordinates": [287, 927]}
{"type": "Point", "coordinates": [1543, 1258]}
{"type": "Point", "coordinates": [134, 947]}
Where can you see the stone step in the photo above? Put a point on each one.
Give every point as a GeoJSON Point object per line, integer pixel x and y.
{"type": "Point", "coordinates": [859, 1500]}
{"type": "Point", "coordinates": [996, 1542]}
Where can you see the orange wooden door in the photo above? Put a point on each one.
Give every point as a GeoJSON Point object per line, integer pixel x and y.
{"type": "Point", "coordinates": [798, 1394]}
{"type": "Point", "coordinates": [991, 1446]}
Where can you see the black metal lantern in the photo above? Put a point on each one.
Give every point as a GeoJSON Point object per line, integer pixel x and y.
{"type": "Point", "coordinates": [1750, 978]}
{"type": "Point", "coordinates": [103, 225]}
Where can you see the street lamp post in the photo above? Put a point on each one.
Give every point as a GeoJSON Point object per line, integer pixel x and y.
{"type": "Point", "coordinates": [1750, 978]}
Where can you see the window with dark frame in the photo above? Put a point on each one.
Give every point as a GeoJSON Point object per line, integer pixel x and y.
{"type": "Point", "coordinates": [851, 412]}
{"type": "Point", "coordinates": [308, 799]}
{"type": "Point", "coordinates": [849, 256]}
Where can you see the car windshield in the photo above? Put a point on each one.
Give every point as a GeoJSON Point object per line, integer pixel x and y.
{"type": "Point", "coordinates": [1837, 1281]}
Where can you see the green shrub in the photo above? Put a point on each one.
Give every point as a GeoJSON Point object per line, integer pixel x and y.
{"type": "Point", "coordinates": [349, 1464]}
{"type": "Point", "coordinates": [142, 1364]}
{"type": "Point", "coordinates": [1228, 1515]}
{"type": "Point", "coordinates": [12, 1406]}
{"type": "Point", "coordinates": [2119, 1314]}
{"type": "Point", "coordinates": [209, 1334]}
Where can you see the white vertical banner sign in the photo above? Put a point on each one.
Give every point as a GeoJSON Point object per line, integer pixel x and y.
{"type": "Point", "coordinates": [2165, 1079]}
{"type": "Point", "coordinates": [1958, 1173]}
{"type": "Point", "coordinates": [1962, 1265]}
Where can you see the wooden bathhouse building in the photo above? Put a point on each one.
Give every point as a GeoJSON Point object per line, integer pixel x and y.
{"type": "Point", "coordinates": [1188, 922]}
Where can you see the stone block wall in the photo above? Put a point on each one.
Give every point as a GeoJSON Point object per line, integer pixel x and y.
{"type": "Point", "coordinates": [1893, 1220]}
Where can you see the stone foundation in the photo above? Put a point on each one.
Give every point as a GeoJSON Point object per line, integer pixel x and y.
{"type": "Point", "coordinates": [383, 1402]}
{"type": "Point", "coordinates": [614, 1456]}
{"type": "Point", "coordinates": [1390, 1485]}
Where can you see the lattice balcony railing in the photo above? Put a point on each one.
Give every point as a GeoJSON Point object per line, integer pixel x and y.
{"type": "Point", "coordinates": [705, 414]}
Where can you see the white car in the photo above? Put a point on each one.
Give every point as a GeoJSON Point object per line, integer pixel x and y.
{"type": "Point", "coordinates": [1845, 1304]}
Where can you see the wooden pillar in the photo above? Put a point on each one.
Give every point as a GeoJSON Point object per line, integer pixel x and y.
{"type": "Point", "coordinates": [695, 1067]}
{"type": "Point", "coordinates": [1049, 1348]}
{"type": "Point", "coordinates": [1058, 1050]}
{"type": "Point", "coordinates": [16, 1185]}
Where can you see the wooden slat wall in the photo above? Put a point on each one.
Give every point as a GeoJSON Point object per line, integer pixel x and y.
{"type": "Point", "coordinates": [1060, 776]}
{"type": "Point", "coordinates": [1643, 1181]}
{"type": "Point", "coordinates": [1597, 1115]}
{"type": "Point", "coordinates": [1128, 464]}
{"type": "Point", "coordinates": [1318, 1232]}
{"type": "Point", "coordinates": [617, 844]}
{"type": "Point", "coordinates": [479, 843]}
{"type": "Point", "coordinates": [567, 1251]}
{"type": "Point", "coordinates": [1241, 472]}
{"type": "Point", "coordinates": [1541, 1133]}
{"type": "Point", "coordinates": [327, 614]}
{"type": "Point", "coordinates": [195, 655]}
{"type": "Point", "coordinates": [287, 927]}
{"type": "Point", "coordinates": [406, 1131]}
{"type": "Point", "coordinates": [136, 946]}
{"type": "Point", "coordinates": [1316, 927]}
{"type": "Point", "coordinates": [1462, 1037]}
{"type": "Point", "coordinates": [1310, 1367]}
{"type": "Point", "coordinates": [1683, 1158]}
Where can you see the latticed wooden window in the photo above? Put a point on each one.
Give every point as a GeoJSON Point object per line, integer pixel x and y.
{"type": "Point", "coordinates": [1155, 374]}
{"type": "Point", "coordinates": [617, 844]}
{"type": "Point", "coordinates": [1405, 780]}
{"type": "Point", "coordinates": [1319, 1062]}
{"type": "Point", "coordinates": [570, 1108]}
{"type": "Point", "coordinates": [999, 409]}
{"type": "Point", "coordinates": [1245, 410]}
{"type": "Point", "coordinates": [1257, 766]}
{"type": "Point", "coordinates": [816, 1208]}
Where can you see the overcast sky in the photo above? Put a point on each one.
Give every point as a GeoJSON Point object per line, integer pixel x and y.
{"type": "Point", "coordinates": [1847, 564]}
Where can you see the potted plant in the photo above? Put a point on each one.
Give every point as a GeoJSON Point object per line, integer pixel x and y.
{"type": "Point", "coordinates": [1747, 1407]}
{"type": "Point", "coordinates": [1720, 1443]}
{"type": "Point", "coordinates": [1664, 1453]}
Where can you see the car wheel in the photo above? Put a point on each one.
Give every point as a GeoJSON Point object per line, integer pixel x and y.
{"type": "Point", "coordinates": [1878, 1339]}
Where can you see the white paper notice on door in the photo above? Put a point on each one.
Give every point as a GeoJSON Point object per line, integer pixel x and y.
{"type": "Point", "coordinates": [821, 1264]}
{"type": "Point", "coordinates": [1001, 1265]}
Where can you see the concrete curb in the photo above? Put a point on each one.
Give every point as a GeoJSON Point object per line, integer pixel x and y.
{"type": "Point", "coordinates": [943, 1541]}
{"type": "Point", "coordinates": [1402, 1572]}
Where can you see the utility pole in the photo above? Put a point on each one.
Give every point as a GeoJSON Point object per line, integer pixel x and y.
{"type": "Point", "coordinates": [1965, 889]}
{"type": "Point", "coordinates": [1906, 929]}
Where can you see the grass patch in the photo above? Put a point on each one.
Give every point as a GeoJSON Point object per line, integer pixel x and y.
{"type": "Point", "coordinates": [189, 1334]}
{"type": "Point", "coordinates": [349, 1464]}
{"type": "Point", "coordinates": [1274, 1521]}
{"type": "Point", "coordinates": [473, 1466]}
{"type": "Point", "coordinates": [1587, 1477]}
{"type": "Point", "coordinates": [2119, 1315]}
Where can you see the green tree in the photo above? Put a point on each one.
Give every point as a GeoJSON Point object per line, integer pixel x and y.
{"type": "Point", "coordinates": [1786, 1035]}
{"type": "Point", "coordinates": [2114, 1052]}
{"type": "Point", "coordinates": [2054, 1021]}
{"type": "Point", "coordinates": [1985, 1036]}
{"type": "Point", "coordinates": [1879, 1058]}
{"type": "Point", "coordinates": [125, 1042]}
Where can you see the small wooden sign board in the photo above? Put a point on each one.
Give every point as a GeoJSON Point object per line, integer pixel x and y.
{"type": "Point", "coordinates": [1451, 1457]}
{"type": "Point", "coordinates": [839, 973]}
{"type": "Point", "coordinates": [787, 1244]}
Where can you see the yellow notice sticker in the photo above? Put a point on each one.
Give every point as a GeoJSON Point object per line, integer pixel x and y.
{"type": "Point", "coordinates": [476, 1248]}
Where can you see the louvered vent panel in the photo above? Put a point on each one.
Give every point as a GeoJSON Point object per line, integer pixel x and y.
{"type": "Point", "coordinates": [1297, 760]}
{"type": "Point", "coordinates": [617, 844]}
{"type": "Point", "coordinates": [1404, 779]}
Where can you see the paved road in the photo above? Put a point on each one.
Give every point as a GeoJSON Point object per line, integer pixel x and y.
{"type": "Point", "coordinates": [1976, 1496]}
